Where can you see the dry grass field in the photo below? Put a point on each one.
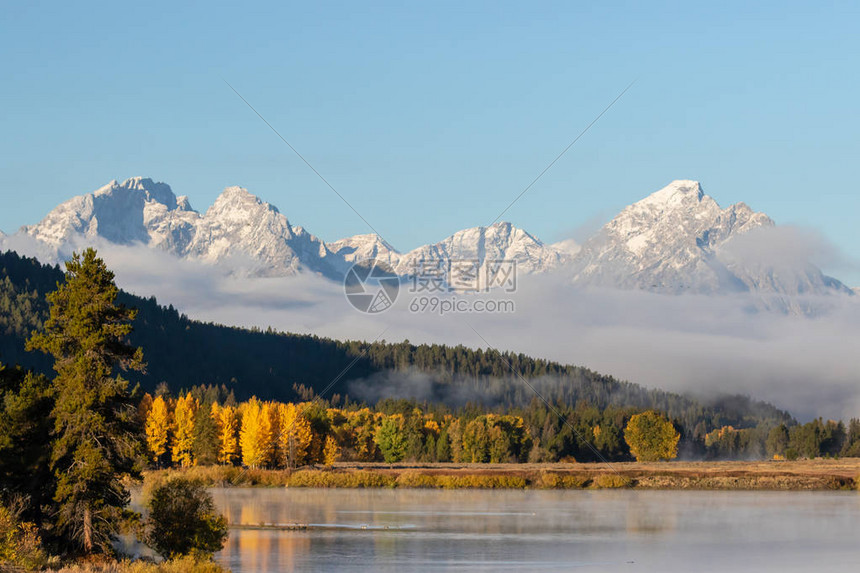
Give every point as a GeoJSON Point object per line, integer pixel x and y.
{"type": "Point", "coordinates": [762, 475]}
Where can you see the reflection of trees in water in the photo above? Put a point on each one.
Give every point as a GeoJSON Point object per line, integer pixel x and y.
{"type": "Point", "coordinates": [258, 550]}
{"type": "Point", "coordinates": [651, 518]}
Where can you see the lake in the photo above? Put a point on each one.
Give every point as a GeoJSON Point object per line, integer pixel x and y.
{"type": "Point", "coordinates": [535, 530]}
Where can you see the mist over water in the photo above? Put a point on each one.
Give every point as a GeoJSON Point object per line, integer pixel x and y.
{"type": "Point", "coordinates": [534, 530]}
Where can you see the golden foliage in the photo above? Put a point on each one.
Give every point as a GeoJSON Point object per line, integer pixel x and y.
{"type": "Point", "coordinates": [183, 430]}
{"type": "Point", "coordinates": [431, 427]}
{"type": "Point", "coordinates": [250, 436]}
{"type": "Point", "coordinates": [258, 437]}
{"type": "Point", "coordinates": [20, 545]}
{"type": "Point", "coordinates": [157, 427]}
{"type": "Point", "coordinates": [331, 451]}
{"type": "Point", "coordinates": [227, 420]}
{"type": "Point", "coordinates": [651, 437]}
{"type": "Point", "coordinates": [295, 436]}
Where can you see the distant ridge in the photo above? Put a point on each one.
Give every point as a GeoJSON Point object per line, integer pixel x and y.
{"type": "Point", "coordinates": [676, 240]}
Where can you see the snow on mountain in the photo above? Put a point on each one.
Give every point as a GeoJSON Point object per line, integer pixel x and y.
{"type": "Point", "coordinates": [239, 229]}
{"type": "Point", "coordinates": [117, 212]}
{"type": "Point", "coordinates": [485, 245]}
{"type": "Point", "coordinates": [363, 247]}
{"type": "Point", "coordinates": [569, 246]}
{"type": "Point", "coordinates": [677, 240]}
{"type": "Point", "coordinates": [240, 224]}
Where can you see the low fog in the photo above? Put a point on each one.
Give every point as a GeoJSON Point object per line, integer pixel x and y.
{"type": "Point", "coordinates": [704, 345]}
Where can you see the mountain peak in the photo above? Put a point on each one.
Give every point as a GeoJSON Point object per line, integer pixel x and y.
{"type": "Point", "coordinates": [676, 192]}
{"type": "Point", "coordinates": [673, 241]}
{"type": "Point", "coordinates": [149, 189]}
{"type": "Point", "coordinates": [237, 198]}
{"type": "Point", "coordinates": [363, 247]}
{"type": "Point", "coordinates": [237, 193]}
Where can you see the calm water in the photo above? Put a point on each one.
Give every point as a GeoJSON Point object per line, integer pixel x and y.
{"type": "Point", "coordinates": [476, 530]}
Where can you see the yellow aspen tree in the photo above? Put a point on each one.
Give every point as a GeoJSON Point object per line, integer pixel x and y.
{"type": "Point", "coordinates": [651, 437]}
{"type": "Point", "coordinates": [157, 427]}
{"type": "Point", "coordinates": [183, 430]}
{"type": "Point", "coordinates": [269, 433]}
{"type": "Point", "coordinates": [215, 413]}
{"type": "Point", "coordinates": [250, 436]}
{"type": "Point", "coordinates": [331, 451]}
{"type": "Point", "coordinates": [228, 433]}
{"type": "Point", "coordinates": [295, 437]}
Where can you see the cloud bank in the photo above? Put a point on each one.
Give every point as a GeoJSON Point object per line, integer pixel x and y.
{"type": "Point", "coordinates": [705, 345]}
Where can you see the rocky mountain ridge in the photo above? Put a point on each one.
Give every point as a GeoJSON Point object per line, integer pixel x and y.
{"type": "Point", "coordinates": [674, 241]}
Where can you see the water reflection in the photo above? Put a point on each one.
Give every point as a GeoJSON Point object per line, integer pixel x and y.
{"type": "Point", "coordinates": [480, 530]}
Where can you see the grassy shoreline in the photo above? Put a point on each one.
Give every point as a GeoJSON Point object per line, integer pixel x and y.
{"type": "Point", "coordinates": [804, 475]}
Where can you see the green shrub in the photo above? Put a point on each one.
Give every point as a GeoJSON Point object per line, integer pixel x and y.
{"type": "Point", "coordinates": [182, 520]}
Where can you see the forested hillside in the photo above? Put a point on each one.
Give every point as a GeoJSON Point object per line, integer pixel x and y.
{"type": "Point", "coordinates": [271, 365]}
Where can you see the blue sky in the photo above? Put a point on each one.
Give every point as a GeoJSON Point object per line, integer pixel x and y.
{"type": "Point", "coordinates": [431, 117]}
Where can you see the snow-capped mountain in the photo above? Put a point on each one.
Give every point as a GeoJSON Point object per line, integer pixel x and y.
{"type": "Point", "coordinates": [680, 240]}
{"type": "Point", "coordinates": [569, 246]}
{"type": "Point", "coordinates": [138, 210]}
{"type": "Point", "coordinates": [666, 242]}
{"type": "Point", "coordinates": [676, 240]}
{"type": "Point", "coordinates": [363, 247]}
{"type": "Point", "coordinates": [482, 245]}
{"type": "Point", "coordinates": [238, 230]}
{"type": "Point", "coordinates": [240, 225]}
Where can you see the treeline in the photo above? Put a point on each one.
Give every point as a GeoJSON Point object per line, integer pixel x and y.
{"type": "Point", "coordinates": [198, 427]}
{"type": "Point", "coordinates": [206, 425]}
{"type": "Point", "coordinates": [184, 353]}
{"type": "Point", "coordinates": [814, 439]}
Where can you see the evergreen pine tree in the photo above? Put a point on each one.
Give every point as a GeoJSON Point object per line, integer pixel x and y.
{"type": "Point", "coordinates": [205, 446]}
{"type": "Point", "coordinates": [97, 434]}
{"type": "Point", "coordinates": [25, 440]}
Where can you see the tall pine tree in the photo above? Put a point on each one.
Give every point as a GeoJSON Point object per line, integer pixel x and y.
{"type": "Point", "coordinates": [97, 433]}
